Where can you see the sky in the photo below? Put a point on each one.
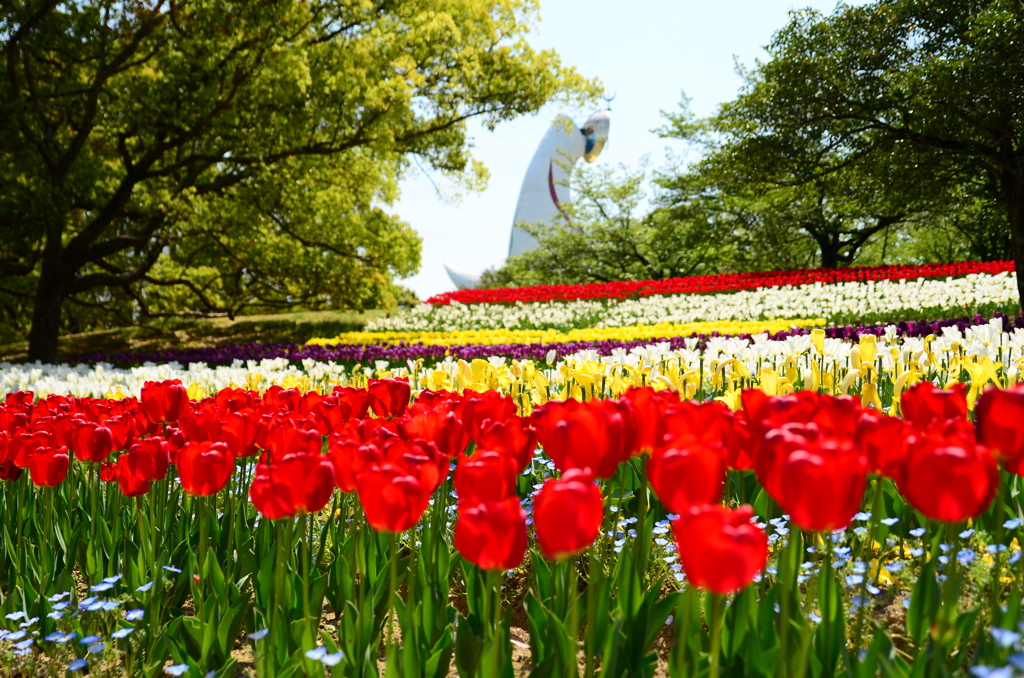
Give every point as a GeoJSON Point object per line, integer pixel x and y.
{"type": "Point", "coordinates": [648, 53]}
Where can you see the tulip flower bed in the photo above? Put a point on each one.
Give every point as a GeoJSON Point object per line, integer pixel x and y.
{"type": "Point", "coordinates": [628, 289]}
{"type": "Point", "coordinates": [839, 303]}
{"type": "Point", "coordinates": [873, 363]}
{"type": "Point", "coordinates": [368, 529]}
{"type": "Point", "coordinates": [352, 354]}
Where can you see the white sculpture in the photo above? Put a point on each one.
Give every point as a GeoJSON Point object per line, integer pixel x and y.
{"type": "Point", "coordinates": [545, 186]}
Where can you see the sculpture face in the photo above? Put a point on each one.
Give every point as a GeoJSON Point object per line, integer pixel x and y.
{"type": "Point", "coordinates": [595, 132]}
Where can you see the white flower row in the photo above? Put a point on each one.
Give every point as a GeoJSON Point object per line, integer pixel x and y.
{"type": "Point", "coordinates": [835, 302]}
{"type": "Point", "coordinates": [755, 354]}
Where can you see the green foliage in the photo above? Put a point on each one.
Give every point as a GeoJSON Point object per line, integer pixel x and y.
{"type": "Point", "coordinates": [214, 157]}
{"type": "Point", "coordinates": [610, 234]}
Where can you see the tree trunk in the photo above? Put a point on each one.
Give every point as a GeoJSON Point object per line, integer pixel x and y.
{"type": "Point", "coordinates": [54, 281]}
{"type": "Point", "coordinates": [1013, 188]}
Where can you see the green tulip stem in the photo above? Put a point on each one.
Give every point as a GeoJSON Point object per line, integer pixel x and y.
{"type": "Point", "coordinates": [717, 610]}
{"type": "Point", "coordinates": [392, 585]}
{"type": "Point", "coordinates": [307, 617]}
{"type": "Point", "coordinates": [204, 530]}
{"type": "Point", "coordinates": [997, 569]}
{"type": "Point", "coordinates": [876, 508]}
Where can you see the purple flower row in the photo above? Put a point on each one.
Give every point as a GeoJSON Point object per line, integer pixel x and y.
{"type": "Point", "coordinates": [366, 354]}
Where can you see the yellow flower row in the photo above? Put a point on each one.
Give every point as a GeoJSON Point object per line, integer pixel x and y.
{"type": "Point", "coordinates": [630, 333]}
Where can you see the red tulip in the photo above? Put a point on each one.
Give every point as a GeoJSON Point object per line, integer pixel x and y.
{"type": "Point", "coordinates": [297, 485]}
{"type": "Point", "coordinates": [739, 443]}
{"type": "Point", "coordinates": [949, 478]}
{"type": "Point", "coordinates": [648, 409]}
{"type": "Point", "coordinates": [91, 442]}
{"type": "Point", "coordinates": [131, 484]}
{"type": "Point", "coordinates": [389, 397]}
{"type": "Point", "coordinates": [823, 484]}
{"type": "Point", "coordinates": [883, 441]}
{"type": "Point", "coordinates": [393, 499]}
{"type": "Point", "coordinates": [8, 471]}
{"type": "Point", "coordinates": [1001, 425]}
{"type": "Point", "coordinates": [147, 460]}
{"type": "Point", "coordinates": [24, 444]}
{"type": "Point", "coordinates": [438, 425]}
{"type": "Point", "coordinates": [108, 471]}
{"type": "Point", "coordinates": [164, 401]}
{"type": "Point", "coordinates": [492, 535]}
{"type": "Point", "coordinates": [567, 514]}
{"type": "Point", "coordinates": [719, 549]}
{"type": "Point", "coordinates": [204, 467]}
{"type": "Point", "coordinates": [289, 436]}
{"type": "Point", "coordinates": [924, 405]}
{"type": "Point", "coordinates": [485, 477]}
{"type": "Point", "coordinates": [513, 437]}
{"type": "Point", "coordinates": [49, 466]}
{"type": "Point", "coordinates": [478, 410]}
{"type": "Point", "coordinates": [685, 477]}
{"type": "Point", "coordinates": [594, 435]}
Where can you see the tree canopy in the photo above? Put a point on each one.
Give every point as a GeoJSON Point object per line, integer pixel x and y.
{"type": "Point", "coordinates": [210, 156]}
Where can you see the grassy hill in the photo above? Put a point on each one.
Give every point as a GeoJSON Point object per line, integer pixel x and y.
{"type": "Point", "coordinates": [293, 328]}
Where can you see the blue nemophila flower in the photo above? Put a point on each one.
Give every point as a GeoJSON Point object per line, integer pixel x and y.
{"type": "Point", "coordinates": [59, 596]}
{"type": "Point", "coordinates": [25, 644]}
{"type": "Point", "coordinates": [967, 534]}
{"type": "Point", "coordinates": [134, 615]}
{"type": "Point", "coordinates": [332, 659]}
{"type": "Point", "coordinates": [122, 633]}
{"type": "Point", "coordinates": [860, 531]}
{"type": "Point", "coordinates": [917, 553]}
{"type": "Point", "coordinates": [944, 560]}
{"type": "Point", "coordinates": [77, 665]}
{"type": "Point", "coordinates": [991, 672]}
{"type": "Point", "coordinates": [109, 605]}
{"type": "Point", "coordinates": [316, 654]}
{"type": "Point", "coordinates": [966, 557]}
{"type": "Point", "coordinates": [28, 622]}
{"type": "Point", "coordinates": [56, 615]}
{"type": "Point", "coordinates": [258, 635]}
{"type": "Point", "coordinates": [906, 604]}
{"type": "Point", "coordinates": [917, 532]}
{"type": "Point", "coordinates": [863, 515]}
{"type": "Point", "coordinates": [86, 602]}
{"type": "Point", "coordinates": [96, 648]}
{"type": "Point", "coordinates": [53, 637]}
{"type": "Point", "coordinates": [854, 579]}
{"type": "Point", "coordinates": [17, 635]}
{"type": "Point", "coordinates": [61, 606]}
{"type": "Point", "coordinates": [102, 586]}
{"type": "Point", "coordinates": [175, 570]}
{"type": "Point", "coordinates": [145, 587]}
{"type": "Point", "coordinates": [1017, 660]}
{"type": "Point", "coordinates": [66, 637]}
{"type": "Point", "coordinates": [995, 548]}
{"type": "Point", "coordinates": [95, 607]}
{"type": "Point", "coordinates": [945, 547]}
{"type": "Point", "coordinates": [113, 580]}
{"type": "Point", "coordinates": [890, 521]}
{"type": "Point", "coordinates": [89, 640]}
{"type": "Point", "coordinates": [1004, 638]}
{"type": "Point", "coordinates": [873, 590]}
{"type": "Point", "coordinates": [941, 578]}
{"type": "Point", "coordinates": [895, 566]}
{"type": "Point", "coordinates": [15, 616]}
{"type": "Point", "coordinates": [1014, 558]}
{"type": "Point", "coordinates": [1012, 524]}
{"type": "Point", "coordinates": [176, 670]}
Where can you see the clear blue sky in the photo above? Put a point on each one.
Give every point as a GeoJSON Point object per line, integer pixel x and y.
{"type": "Point", "coordinates": [648, 53]}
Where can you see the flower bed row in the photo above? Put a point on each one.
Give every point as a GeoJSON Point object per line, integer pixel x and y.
{"type": "Point", "coordinates": [368, 354]}
{"type": "Point", "coordinates": [590, 334]}
{"type": "Point", "coordinates": [838, 303]}
{"type": "Point", "coordinates": [877, 366]}
{"type": "Point", "coordinates": [628, 289]}
{"type": "Point", "coordinates": [269, 510]}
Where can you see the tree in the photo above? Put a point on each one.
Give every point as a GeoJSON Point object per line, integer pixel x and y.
{"type": "Point", "coordinates": [208, 156]}
{"type": "Point", "coordinates": [925, 96]}
{"type": "Point", "coordinates": [612, 234]}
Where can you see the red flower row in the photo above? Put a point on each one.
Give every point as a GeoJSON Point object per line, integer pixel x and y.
{"type": "Point", "coordinates": [627, 289]}
{"type": "Point", "coordinates": [811, 452]}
